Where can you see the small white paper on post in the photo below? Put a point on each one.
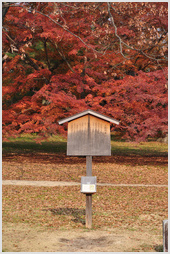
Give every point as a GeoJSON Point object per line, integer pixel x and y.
{"type": "Point", "coordinates": [88, 188]}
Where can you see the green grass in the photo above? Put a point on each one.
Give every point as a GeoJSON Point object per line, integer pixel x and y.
{"type": "Point", "coordinates": [28, 144]}
{"type": "Point", "coordinates": [57, 144]}
{"type": "Point", "coordinates": [141, 149]}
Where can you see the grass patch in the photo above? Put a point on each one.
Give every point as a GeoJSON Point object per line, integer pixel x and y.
{"type": "Point", "coordinates": [27, 144]}
{"type": "Point", "coordinates": [57, 144]}
{"type": "Point", "coordinates": [146, 149]}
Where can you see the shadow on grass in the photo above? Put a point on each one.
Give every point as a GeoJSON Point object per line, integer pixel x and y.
{"type": "Point", "coordinates": [151, 153]}
{"type": "Point", "coordinates": [139, 150]}
{"type": "Point", "coordinates": [75, 212]}
{"type": "Point", "coordinates": [27, 147]}
{"type": "Point", "coordinates": [20, 147]}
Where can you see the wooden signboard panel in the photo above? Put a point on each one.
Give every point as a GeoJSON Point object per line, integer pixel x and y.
{"type": "Point", "coordinates": [88, 135]}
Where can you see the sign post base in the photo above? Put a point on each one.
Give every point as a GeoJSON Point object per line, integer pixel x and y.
{"type": "Point", "coordinates": [88, 210]}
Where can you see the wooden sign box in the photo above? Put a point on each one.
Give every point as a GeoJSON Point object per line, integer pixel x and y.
{"type": "Point", "coordinates": [88, 134]}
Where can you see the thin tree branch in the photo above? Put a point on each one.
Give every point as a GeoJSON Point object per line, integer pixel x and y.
{"type": "Point", "coordinates": [115, 27]}
{"type": "Point", "coordinates": [65, 28]}
{"type": "Point", "coordinates": [46, 53]}
{"type": "Point", "coordinates": [5, 8]}
{"type": "Point", "coordinates": [122, 42]}
{"type": "Point", "coordinates": [63, 57]}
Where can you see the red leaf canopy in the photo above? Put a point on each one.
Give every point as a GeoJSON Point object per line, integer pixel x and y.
{"type": "Point", "coordinates": [62, 58]}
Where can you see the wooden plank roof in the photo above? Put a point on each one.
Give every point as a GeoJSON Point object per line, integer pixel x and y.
{"type": "Point", "coordinates": [88, 112]}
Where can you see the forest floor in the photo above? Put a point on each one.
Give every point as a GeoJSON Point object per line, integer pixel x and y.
{"type": "Point", "coordinates": [128, 209]}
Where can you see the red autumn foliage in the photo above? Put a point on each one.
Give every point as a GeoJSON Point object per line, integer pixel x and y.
{"type": "Point", "coordinates": [62, 58]}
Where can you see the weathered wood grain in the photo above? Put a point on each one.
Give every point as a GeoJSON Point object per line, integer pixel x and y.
{"type": "Point", "coordinates": [88, 210]}
{"type": "Point", "coordinates": [88, 135]}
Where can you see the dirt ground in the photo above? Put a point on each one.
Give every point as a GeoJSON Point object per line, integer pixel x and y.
{"type": "Point", "coordinates": [23, 238]}
{"type": "Point", "coordinates": [142, 235]}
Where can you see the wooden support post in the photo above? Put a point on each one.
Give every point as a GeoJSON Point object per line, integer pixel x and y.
{"type": "Point", "coordinates": [88, 196]}
{"type": "Point", "coordinates": [88, 210]}
{"type": "Point", "coordinates": [89, 165]}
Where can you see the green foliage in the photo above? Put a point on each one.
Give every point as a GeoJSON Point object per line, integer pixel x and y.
{"type": "Point", "coordinates": [39, 46]}
{"type": "Point", "coordinates": [11, 55]}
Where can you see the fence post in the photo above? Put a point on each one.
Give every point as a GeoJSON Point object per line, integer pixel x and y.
{"type": "Point", "coordinates": [165, 235]}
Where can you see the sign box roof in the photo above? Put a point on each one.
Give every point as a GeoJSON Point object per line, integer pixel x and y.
{"type": "Point", "coordinates": [91, 112]}
{"type": "Point", "coordinates": [88, 134]}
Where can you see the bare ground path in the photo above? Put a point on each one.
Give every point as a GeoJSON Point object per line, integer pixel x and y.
{"type": "Point", "coordinates": [61, 183]}
{"type": "Point", "coordinates": [25, 238]}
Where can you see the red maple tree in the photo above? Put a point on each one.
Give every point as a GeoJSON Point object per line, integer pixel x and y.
{"type": "Point", "coordinates": [62, 58]}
